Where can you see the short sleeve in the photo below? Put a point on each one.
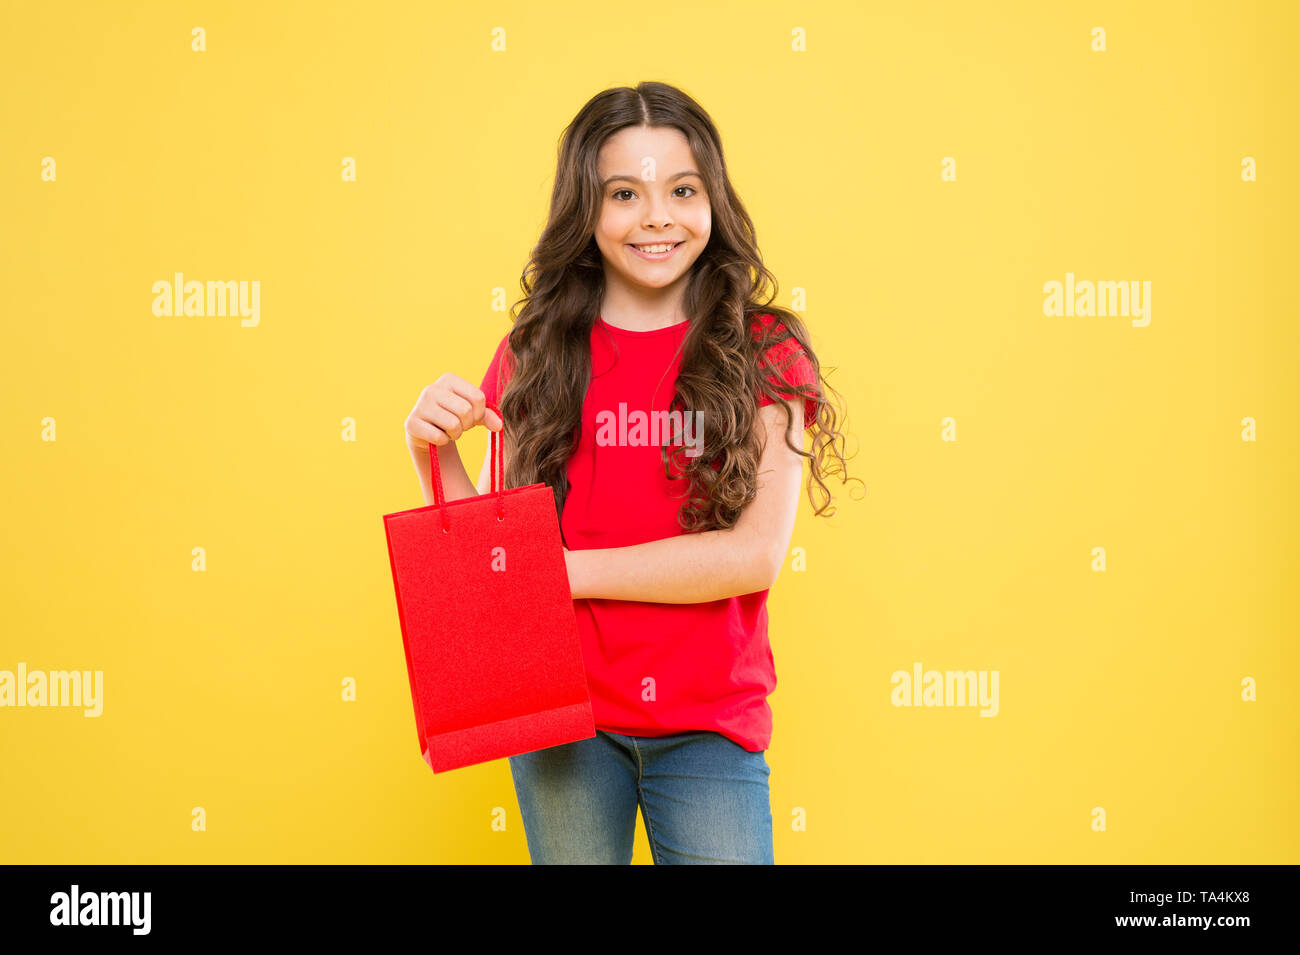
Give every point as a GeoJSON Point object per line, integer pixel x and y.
{"type": "Point", "coordinates": [786, 366]}
{"type": "Point", "coordinates": [498, 372]}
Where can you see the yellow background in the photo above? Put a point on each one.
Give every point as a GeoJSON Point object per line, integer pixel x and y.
{"type": "Point", "coordinates": [222, 689]}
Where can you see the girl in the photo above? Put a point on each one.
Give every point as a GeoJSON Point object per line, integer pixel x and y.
{"type": "Point", "coordinates": [648, 386]}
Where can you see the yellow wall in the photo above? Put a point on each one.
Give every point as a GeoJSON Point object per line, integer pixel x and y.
{"type": "Point", "coordinates": [1119, 689]}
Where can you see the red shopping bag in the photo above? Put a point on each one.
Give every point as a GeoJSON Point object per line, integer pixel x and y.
{"type": "Point", "coordinates": [492, 649]}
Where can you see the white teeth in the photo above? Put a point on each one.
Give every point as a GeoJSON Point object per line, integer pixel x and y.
{"type": "Point", "coordinates": [652, 249]}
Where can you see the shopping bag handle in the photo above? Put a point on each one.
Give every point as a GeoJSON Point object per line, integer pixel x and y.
{"type": "Point", "coordinates": [497, 477]}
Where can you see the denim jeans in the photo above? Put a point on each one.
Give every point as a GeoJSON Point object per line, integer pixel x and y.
{"type": "Point", "coordinates": [703, 797]}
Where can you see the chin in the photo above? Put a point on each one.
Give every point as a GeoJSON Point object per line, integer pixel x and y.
{"type": "Point", "coordinates": [662, 282]}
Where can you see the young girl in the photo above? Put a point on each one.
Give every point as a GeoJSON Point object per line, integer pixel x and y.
{"type": "Point", "coordinates": [645, 384]}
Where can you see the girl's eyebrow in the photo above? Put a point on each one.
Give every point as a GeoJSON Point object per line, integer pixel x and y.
{"type": "Point", "coordinates": [672, 178]}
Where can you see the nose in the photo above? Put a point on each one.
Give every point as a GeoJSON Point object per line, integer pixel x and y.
{"type": "Point", "coordinates": [657, 217]}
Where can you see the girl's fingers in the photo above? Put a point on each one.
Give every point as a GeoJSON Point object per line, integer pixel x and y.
{"type": "Point", "coordinates": [448, 421]}
{"type": "Point", "coordinates": [469, 401]}
{"type": "Point", "coordinates": [429, 434]}
{"type": "Point", "coordinates": [447, 409]}
{"type": "Point", "coordinates": [461, 407]}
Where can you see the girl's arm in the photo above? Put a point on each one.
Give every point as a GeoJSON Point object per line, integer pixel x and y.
{"type": "Point", "coordinates": [708, 565]}
{"type": "Point", "coordinates": [455, 479]}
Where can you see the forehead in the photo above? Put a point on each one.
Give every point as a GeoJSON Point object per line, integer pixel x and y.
{"type": "Point", "coordinates": [625, 150]}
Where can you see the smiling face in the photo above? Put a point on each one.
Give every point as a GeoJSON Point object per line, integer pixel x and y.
{"type": "Point", "coordinates": [652, 196]}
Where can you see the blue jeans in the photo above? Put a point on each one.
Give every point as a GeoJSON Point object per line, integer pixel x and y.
{"type": "Point", "coordinates": [704, 799]}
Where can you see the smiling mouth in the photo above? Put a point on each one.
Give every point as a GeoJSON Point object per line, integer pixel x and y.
{"type": "Point", "coordinates": [663, 254]}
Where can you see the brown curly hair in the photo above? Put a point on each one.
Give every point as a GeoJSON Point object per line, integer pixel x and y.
{"type": "Point", "coordinates": [722, 360]}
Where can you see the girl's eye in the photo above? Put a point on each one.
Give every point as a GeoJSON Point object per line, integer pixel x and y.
{"type": "Point", "coordinates": [619, 192]}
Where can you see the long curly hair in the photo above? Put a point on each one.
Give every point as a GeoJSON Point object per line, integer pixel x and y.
{"type": "Point", "coordinates": [722, 365]}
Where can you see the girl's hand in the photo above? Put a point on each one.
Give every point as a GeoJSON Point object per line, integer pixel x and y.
{"type": "Point", "coordinates": [445, 410]}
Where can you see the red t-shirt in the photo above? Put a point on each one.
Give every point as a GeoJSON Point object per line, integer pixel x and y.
{"type": "Point", "coordinates": [655, 669]}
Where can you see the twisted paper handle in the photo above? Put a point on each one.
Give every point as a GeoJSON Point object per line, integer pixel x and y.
{"type": "Point", "coordinates": [497, 476]}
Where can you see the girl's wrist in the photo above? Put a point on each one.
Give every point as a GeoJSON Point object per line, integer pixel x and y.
{"type": "Point", "coordinates": [573, 567]}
